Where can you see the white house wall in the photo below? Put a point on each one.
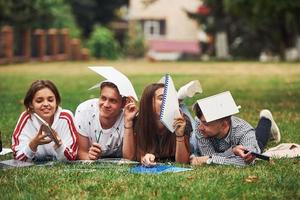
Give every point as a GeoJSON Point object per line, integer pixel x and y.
{"type": "Point", "coordinates": [178, 25]}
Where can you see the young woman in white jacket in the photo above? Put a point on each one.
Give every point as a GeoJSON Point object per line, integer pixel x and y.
{"type": "Point", "coordinates": [30, 140]}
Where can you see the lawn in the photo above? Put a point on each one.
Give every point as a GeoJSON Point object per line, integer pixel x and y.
{"type": "Point", "coordinates": [254, 86]}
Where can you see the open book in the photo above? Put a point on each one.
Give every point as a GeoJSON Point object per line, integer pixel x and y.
{"type": "Point", "coordinates": [48, 130]}
{"type": "Point", "coordinates": [169, 109]}
{"type": "Point", "coordinates": [218, 106]}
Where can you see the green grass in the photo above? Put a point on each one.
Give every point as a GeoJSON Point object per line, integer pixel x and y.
{"type": "Point", "coordinates": [254, 86]}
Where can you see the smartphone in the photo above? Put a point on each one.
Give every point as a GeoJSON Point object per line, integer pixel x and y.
{"type": "Point", "coordinates": [49, 131]}
{"type": "Point", "coordinates": [258, 155]}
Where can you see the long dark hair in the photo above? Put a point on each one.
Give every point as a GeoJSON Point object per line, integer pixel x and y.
{"type": "Point", "coordinates": [146, 128]}
{"type": "Point", "coordinates": [35, 87]}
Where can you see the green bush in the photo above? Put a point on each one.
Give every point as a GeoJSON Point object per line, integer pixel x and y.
{"type": "Point", "coordinates": [103, 44]}
{"type": "Point", "coordinates": [134, 44]}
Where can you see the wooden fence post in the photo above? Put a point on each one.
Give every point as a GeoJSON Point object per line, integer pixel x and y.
{"type": "Point", "coordinates": [53, 43]}
{"type": "Point", "coordinates": [26, 44]}
{"type": "Point", "coordinates": [65, 43]}
{"type": "Point", "coordinates": [41, 43]}
{"type": "Point", "coordinates": [85, 54]}
{"type": "Point", "coordinates": [8, 39]}
{"type": "Point", "coordinates": [75, 49]}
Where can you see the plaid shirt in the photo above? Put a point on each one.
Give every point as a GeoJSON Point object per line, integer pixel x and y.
{"type": "Point", "coordinates": [241, 133]}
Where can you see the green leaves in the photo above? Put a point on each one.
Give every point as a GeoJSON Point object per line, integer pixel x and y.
{"type": "Point", "coordinates": [103, 45]}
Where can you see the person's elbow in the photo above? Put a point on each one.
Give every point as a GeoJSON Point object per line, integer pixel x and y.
{"type": "Point", "coordinates": [129, 156]}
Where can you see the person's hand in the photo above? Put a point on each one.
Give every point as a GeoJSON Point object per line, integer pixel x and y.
{"type": "Point", "coordinates": [148, 160]}
{"type": "Point", "coordinates": [130, 111]}
{"type": "Point", "coordinates": [198, 160]}
{"type": "Point", "coordinates": [240, 151]}
{"type": "Point", "coordinates": [40, 139]}
{"type": "Point", "coordinates": [95, 151]}
{"type": "Point", "coordinates": [179, 125]}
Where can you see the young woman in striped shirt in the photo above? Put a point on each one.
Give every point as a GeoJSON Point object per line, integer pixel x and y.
{"type": "Point", "coordinates": [30, 140]}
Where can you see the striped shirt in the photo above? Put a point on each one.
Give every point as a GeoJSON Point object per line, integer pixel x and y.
{"type": "Point", "coordinates": [220, 150]}
{"type": "Point", "coordinates": [28, 127]}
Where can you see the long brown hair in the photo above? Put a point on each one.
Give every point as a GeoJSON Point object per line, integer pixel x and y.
{"type": "Point", "coordinates": [146, 128]}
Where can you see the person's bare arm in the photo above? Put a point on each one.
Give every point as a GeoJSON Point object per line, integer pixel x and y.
{"type": "Point", "coordinates": [129, 143]}
{"type": "Point", "coordinates": [87, 151]}
{"type": "Point", "coordinates": [182, 154]}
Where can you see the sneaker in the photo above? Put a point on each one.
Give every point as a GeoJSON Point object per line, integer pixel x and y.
{"type": "Point", "coordinates": [275, 132]}
{"type": "Point", "coordinates": [189, 90]}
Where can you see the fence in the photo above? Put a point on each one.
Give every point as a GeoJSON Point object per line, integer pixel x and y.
{"type": "Point", "coordinates": [45, 45]}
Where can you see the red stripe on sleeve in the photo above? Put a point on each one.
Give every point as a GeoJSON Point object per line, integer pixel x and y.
{"type": "Point", "coordinates": [19, 127]}
{"type": "Point", "coordinates": [74, 135]}
{"type": "Point", "coordinates": [21, 157]}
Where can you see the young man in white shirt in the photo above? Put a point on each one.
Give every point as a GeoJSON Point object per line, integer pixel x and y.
{"type": "Point", "coordinates": [105, 125]}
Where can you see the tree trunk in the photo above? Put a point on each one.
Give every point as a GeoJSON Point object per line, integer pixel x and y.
{"type": "Point", "coordinates": [221, 45]}
{"type": "Point", "coordinates": [298, 45]}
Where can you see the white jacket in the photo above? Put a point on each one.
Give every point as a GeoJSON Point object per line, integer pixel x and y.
{"type": "Point", "coordinates": [28, 127]}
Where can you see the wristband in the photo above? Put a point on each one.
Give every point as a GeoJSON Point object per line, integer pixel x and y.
{"type": "Point", "coordinates": [179, 140]}
{"type": "Point", "coordinates": [179, 136]}
{"type": "Point", "coordinates": [209, 160]}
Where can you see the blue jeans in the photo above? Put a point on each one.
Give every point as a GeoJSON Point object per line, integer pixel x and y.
{"type": "Point", "coordinates": [263, 132]}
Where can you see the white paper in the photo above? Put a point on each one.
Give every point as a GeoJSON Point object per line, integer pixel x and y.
{"type": "Point", "coordinates": [5, 151]}
{"type": "Point", "coordinates": [112, 75]}
{"type": "Point", "coordinates": [189, 89]}
{"type": "Point", "coordinates": [284, 150]}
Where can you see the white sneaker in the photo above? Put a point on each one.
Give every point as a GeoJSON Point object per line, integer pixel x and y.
{"type": "Point", "coordinates": [275, 132]}
{"type": "Point", "coordinates": [189, 89]}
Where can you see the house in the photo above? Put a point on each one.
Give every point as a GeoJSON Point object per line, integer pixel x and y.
{"type": "Point", "coordinates": [167, 29]}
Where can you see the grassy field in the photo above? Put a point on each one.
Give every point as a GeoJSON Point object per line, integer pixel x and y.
{"type": "Point", "coordinates": [254, 86]}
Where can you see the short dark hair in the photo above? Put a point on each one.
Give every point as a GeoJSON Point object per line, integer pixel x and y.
{"type": "Point", "coordinates": [197, 110]}
{"type": "Point", "coordinates": [35, 87]}
{"type": "Point", "coordinates": [113, 86]}
{"type": "Point", "coordinates": [109, 84]}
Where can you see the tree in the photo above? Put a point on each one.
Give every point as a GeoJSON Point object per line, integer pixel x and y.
{"type": "Point", "coordinates": [38, 14]}
{"type": "Point", "coordinates": [259, 24]}
{"type": "Point", "coordinates": [91, 12]}
{"type": "Point", "coordinates": [278, 22]}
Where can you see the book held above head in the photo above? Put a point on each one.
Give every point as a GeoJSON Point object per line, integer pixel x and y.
{"type": "Point", "coordinates": [223, 138]}
{"type": "Point", "coordinates": [218, 106]}
{"type": "Point", "coordinates": [114, 76]}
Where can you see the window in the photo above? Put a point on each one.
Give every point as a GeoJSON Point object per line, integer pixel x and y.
{"type": "Point", "coordinates": [154, 28]}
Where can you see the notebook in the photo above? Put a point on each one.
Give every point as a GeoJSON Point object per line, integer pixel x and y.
{"type": "Point", "coordinates": [157, 169]}
{"type": "Point", "coordinates": [169, 109]}
{"type": "Point", "coordinates": [218, 106]}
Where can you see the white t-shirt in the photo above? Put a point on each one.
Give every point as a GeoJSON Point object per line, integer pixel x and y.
{"type": "Point", "coordinates": [88, 124]}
